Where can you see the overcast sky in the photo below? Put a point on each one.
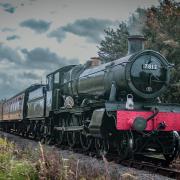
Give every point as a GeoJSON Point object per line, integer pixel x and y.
{"type": "Point", "coordinates": [40, 36]}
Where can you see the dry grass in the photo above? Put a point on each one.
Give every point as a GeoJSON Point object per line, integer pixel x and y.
{"type": "Point", "coordinates": [11, 167]}
{"type": "Point", "coordinates": [48, 164]}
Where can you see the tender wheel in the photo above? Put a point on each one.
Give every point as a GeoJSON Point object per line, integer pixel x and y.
{"type": "Point", "coordinates": [42, 133]}
{"type": "Point", "coordinates": [49, 139]}
{"type": "Point", "coordinates": [28, 130]}
{"type": "Point", "coordinates": [34, 131]}
{"type": "Point", "coordinates": [23, 130]}
{"type": "Point", "coordinates": [41, 130]}
{"type": "Point", "coordinates": [125, 146]}
{"type": "Point", "coordinates": [101, 146]}
{"type": "Point", "coordinates": [85, 141]}
{"type": "Point", "coordinates": [42, 140]}
{"type": "Point", "coordinates": [38, 133]}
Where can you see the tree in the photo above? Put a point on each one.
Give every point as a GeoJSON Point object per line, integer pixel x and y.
{"type": "Point", "coordinates": [162, 31]}
{"type": "Point", "coordinates": [114, 45]}
{"type": "Point", "coordinates": [161, 27]}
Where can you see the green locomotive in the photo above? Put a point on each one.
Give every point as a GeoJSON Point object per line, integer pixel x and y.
{"type": "Point", "coordinates": [107, 106]}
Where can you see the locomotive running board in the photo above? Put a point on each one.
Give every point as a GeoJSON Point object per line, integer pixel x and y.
{"type": "Point", "coordinates": [71, 128]}
{"type": "Point", "coordinates": [115, 106]}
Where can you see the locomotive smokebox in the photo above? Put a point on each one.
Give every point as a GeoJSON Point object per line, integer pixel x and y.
{"type": "Point", "coordinates": [135, 44]}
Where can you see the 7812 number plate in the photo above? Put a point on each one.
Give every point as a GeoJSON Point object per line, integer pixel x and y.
{"type": "Point", "coordinates": [150, 66]}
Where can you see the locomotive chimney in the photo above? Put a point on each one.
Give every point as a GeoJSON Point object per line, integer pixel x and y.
{"type": "Point", "coordinates": [135, 44]}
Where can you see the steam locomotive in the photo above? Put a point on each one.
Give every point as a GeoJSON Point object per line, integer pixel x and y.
{"type": "Point", "coordinates": [113, 106]}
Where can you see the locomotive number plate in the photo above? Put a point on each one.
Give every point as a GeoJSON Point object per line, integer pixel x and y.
{"type": "Point", "coordinates": [150, 66]}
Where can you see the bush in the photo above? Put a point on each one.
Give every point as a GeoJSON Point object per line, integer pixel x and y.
{"type": "Point", "coordinates": [21, 170]}
{"type": "Point", "coordinates": [11, 167]}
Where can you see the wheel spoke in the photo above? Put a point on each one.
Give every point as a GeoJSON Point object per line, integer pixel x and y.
{"type": "Point", "coordinates": [71, 138]}
{"type": "Point", "coordinates": [59, 137]}
{"type": "Point", "coordinates": [85, 141]}
{"type": "Point", "coordinates": [101, 146]}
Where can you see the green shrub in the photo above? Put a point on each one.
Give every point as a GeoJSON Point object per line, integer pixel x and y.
{"type": "Point", "coordinates": [21, 170]}
{"type": "Point", "coordinates": [11, 166]}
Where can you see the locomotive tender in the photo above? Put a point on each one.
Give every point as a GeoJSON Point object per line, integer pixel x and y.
{"type": "Point", "coordinates": [113, 106]}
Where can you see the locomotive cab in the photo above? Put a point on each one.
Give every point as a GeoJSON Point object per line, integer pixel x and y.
{"type": "Point", "coordinates": [55, 80]}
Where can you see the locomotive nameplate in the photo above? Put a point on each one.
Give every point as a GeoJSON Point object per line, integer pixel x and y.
{"type": "Point", "coordinates": [150, 66]}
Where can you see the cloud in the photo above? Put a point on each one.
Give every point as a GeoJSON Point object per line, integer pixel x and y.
{"type": "Point", "coordinates": [6, 85]}
{"type": "Point", "coordinates": [14, 82]}
{"type": "Point", "coordinates": [39, 26]}
{"type": "Point", "coordinates": [92, 29]}
{"type": "Point", "coordinates": [13, 37]}
{"type": "Point", "coordinates": [6, 29]}
{"type": "Point", "coordinates": [59, 34]}
{"type": "Point", "coordinates": [8, 7]}
{"type": "Point", "coordinates": [43, 58]}
{"type": "Point", "coordinates": [8, 54]}
{"type": "Point", "coordinates": [17, 72]}
{"type": "Point", "coordinates": [37, 58]}
{"type": "Point", "coordinates": [30, 75]}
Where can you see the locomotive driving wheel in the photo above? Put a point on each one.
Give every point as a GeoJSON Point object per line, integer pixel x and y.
{"type": "Point", "coordinates": [72, 138]}
{"type": "Point", "coordinates": [125, 145]}
{"type": "Point", "coordinates": [101, 146]}
{"type": "Point", "coordinates": [60, 135]}
{"type": "Point", "coordinates": [60, 138]}
{"type": "Point", "coordinates": [85, 141]}
{"type": "Point", "coordinates": [176, 148]}
{"type": "Point", "coordinates": [72, 135]}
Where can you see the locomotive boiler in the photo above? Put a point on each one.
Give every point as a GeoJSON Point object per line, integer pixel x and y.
{"type": "Point", "coordinates": [114, 106]}
{"type": "Point", "coordinates": [142, 73]}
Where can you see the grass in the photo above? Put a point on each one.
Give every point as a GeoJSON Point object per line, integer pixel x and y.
{"type": "Point", "coordinates": [48, 164]}
{"type": "Point", "coordinates": [13, 168]}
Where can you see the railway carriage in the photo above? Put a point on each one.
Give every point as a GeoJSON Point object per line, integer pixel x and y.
{"type": "Point", "coordinates": [1, 109]}
{"type": "Point", "coordinates": [113, 106]}
{"type": "Point", "coordinates": [13, 108]}
{"type": "Point", "coordinates": [16, 110]}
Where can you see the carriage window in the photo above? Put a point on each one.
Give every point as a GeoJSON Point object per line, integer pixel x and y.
{"type": "Point", "coordinates": [56, 78]}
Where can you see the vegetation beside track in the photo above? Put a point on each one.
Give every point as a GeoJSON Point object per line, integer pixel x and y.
{"type": "Point", "coordinates": [13, 165]}
{"type": "Point", "coordinates": [43, 163]}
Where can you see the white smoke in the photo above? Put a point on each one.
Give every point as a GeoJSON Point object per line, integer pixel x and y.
{"type": "Point", "coordinates": [136, 23]}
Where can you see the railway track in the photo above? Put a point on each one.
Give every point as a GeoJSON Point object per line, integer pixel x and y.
{"type": "Point", "coordinates": [146, 163]}
{"type": "Point", "coordinates": [149, 166]}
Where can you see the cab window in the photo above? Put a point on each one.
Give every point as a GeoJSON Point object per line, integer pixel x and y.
{"type": "Point", "coordinates": [56, 78]}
